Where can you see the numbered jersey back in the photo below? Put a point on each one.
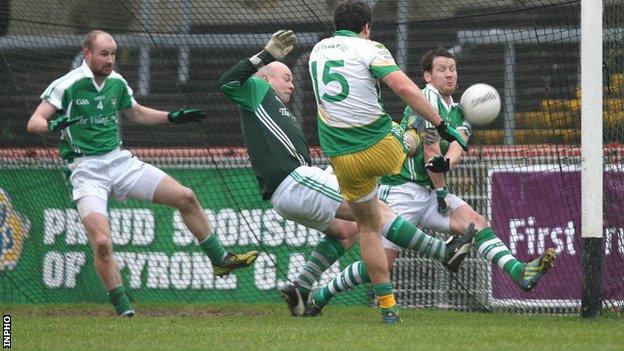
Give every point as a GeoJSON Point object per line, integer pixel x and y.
{"type": "Point", "coordinates": [345, 70]}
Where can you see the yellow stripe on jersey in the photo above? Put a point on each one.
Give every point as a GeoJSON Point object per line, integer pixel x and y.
{"type": "Point", "coordinates": [383, 63]}
{"type": "Point", "coordinates": [359, 172]}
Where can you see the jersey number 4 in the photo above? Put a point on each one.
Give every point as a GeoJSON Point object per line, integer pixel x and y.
{"type": "Point", "coordinates": [329, 77]}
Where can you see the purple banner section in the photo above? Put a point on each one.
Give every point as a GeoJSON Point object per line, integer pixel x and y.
{"type": "Point", "coordinates": [532, 210]}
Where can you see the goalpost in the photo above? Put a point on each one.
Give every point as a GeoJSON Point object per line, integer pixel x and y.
{"type": "Point", "coordinates": [591, 156]}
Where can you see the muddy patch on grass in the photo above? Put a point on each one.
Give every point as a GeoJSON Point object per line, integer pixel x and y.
{"type": "Point", "coordinates": [142, 311]}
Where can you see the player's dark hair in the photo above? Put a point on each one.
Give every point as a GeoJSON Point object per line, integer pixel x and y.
{"type": "Point", "coordinates": [427, 60]}
{"type": "Point", "coordinates": [352, 15]}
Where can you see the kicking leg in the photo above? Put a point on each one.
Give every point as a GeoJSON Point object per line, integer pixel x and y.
{"type": "Point", "coordinates": [405, 234]}
{"type": "Point", "coordinates": [170, 192]}
{"type": "Point", "coordinates": [496, 252]}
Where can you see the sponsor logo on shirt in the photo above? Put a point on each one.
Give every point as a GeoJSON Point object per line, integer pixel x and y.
{"type": "Point", "coordinates": [101, 119]}
{"type": "Point", "coordinates": [82, 102]}
{"type": "Point", "coordinates": [284, 111]}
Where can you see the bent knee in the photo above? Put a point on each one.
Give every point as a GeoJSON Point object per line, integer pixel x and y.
{"type": "Point", "coordinates": [349, 237]}
{"type": "Point", "coordinates": [187, 199]}
{"type": "Point", "coordinates": [103, 247]}
{"type": "Point", "coordinates": [479, 221]}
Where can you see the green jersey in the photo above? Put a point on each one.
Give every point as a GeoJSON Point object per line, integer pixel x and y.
{"type": "Point", "coordinates": [273, 136]}
{"type": "Point", "coordinates": [77, 96]}
{"type": "Point", "coordinates": [413, 169]}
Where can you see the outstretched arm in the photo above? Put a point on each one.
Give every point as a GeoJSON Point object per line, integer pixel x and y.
{"type": "Point", "coordinates": [235, 82]}
{"type": "Point", "coordinates": [147, 115]}
{"type": "Point", "coordinates": [232, 82]}
{"type": "Point", "coordinates": [409, 92]}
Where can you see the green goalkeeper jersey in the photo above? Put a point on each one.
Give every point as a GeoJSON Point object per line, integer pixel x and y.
{"type": "Point", "coordinates": [413, 169]}
{"type": "Point", "coordinates": [273, 136]}
{"type": "Point", "coordinates": [78, 96]}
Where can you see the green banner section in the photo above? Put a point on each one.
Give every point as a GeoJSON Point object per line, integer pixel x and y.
{"type": "Point", "coordinates": [46, 256]}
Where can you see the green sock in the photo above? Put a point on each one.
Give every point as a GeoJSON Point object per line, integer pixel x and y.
{"type": "Point", "coordinates": [213, 248]}
{"type": "Point", "coordinates": [385, 296]}
{"type": "Point", "coordinates": [326, 252]}
{"type": "Point", "coordinates": [119, 299]}
{"type": "Point", "coordinates": [405, 234]}
{"type": "Point", "coordinates": [495, 251]}
{"type": "Point", "coordinates": [353, 275]}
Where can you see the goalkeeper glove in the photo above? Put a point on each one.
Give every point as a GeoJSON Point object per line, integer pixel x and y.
{"type": "Point", "coordinates": [438, 164]}
{"type": "Point", "coordinates": [281, 43]}
{"type": "Point", "coordinates": [185, 116]}
{"type": "Point", "coordinates": [441, 193]}
{"type": "Point", "coordinates": [450, 134]}
{"type": "Point", "coordinates": [61, 123]}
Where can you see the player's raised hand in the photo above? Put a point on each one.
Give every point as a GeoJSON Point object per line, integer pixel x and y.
{"type": "Point", "coordinates": [281, 43]}
{"type": "Point", "coordinates": [450, 134]}
{"type": "Point", "coordinates": [186, 115]}
{"type": "Point", "coordinates": [61, 123]}
{"type": "Point", "coordinates": [438, 164]}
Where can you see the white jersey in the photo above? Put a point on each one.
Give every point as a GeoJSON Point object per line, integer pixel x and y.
{"type": "Point", "coordinates": [345, 71]}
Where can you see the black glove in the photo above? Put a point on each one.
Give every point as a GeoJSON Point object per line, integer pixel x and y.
{"type": "Point", "coordinates": [450, 134]}
{"type": "Point", "coordinates": [185, 116]}
{"type": "Point", "coordinates": [61, 123]}
{"type": "Point", "coordinates": [442, 205]}
{"type": "Point", "coordinates": [438, 164]}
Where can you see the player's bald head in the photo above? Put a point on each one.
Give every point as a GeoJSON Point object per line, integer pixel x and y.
{"type": "Point", "coordinates": [95, 35]}
{"type": "Point", "coordinates": [274, 69]}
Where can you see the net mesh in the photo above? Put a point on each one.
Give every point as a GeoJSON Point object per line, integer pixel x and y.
{"type": "Point", "coordinates": [522, 171]}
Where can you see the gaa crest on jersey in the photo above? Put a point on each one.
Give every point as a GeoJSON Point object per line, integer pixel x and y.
{"type": "Point", "coordinates": [14, 228]}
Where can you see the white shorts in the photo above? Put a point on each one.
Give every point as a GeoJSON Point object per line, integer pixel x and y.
{"type": "Point", "coordinates": [308, 196]}
{"type": "Point", "coordinates": [418, 205]}
{"type": "Point", "coordinates": [116, 173]}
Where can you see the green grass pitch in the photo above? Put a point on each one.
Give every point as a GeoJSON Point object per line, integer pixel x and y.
{"type": "Point", "coordinates": [253, 327]}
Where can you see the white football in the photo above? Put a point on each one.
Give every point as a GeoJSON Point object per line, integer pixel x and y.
{"type": "Point", "coordinates": [480, 103]}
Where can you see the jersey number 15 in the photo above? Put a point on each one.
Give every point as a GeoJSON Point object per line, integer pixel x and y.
{"type": "Point", "coordinates": [327, 78]}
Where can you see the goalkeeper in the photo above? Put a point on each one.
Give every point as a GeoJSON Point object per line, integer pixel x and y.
{"type": "Point", "coordinates": [279, 155]}
{"type": "Point", "coordinates": [419, 193]}
{"type": "Point", "coordinates": [82, 105]}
